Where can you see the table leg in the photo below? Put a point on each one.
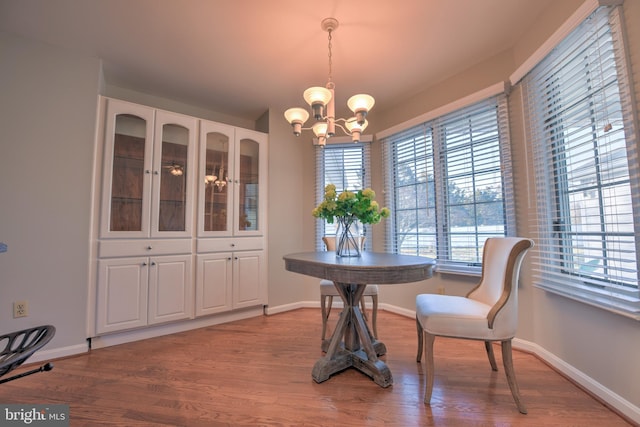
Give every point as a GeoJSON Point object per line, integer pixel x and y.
{"type": "Point", "coordinates": [352, 344]}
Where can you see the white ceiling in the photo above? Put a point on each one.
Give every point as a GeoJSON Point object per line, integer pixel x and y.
{"type": "Point", "coordinates": [241, 57]}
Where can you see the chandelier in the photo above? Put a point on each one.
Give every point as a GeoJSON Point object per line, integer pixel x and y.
{"type": "Point", "coordinates": [322, 103]}
{"type": "Point", "coordinates": [218, 181]}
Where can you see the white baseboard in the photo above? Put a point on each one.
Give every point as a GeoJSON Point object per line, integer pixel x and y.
{"type": "Point", "coordinates": [57, 353]}
{"type": "Point", "coordinates": [172, 328]}
{"type": "Point", "coordinates": [611, 398]}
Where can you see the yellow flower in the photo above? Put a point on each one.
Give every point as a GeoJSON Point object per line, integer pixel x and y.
{"type": "Point", "coordinates": [369, 193]}
{"type": "Point", "coordinates": [350, 205]}
{"type": "Point", "coordinates": [346, 195]}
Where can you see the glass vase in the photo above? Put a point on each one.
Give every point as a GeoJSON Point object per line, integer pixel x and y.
{"type": "Point", "coordinates": [348, 239]}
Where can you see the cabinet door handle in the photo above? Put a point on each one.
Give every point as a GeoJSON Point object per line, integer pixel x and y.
{"type": "Point", "coordinates": [153, 263]}
{"type": "Point", "coordinates": [229, 259]}
{"type": "Point", "coordinates": [149, 248]}
{"type": "Point", "coordinates": [233, 245]}
{"type": "Point", "coordinates": [235, 257]}
{"type": "Point", "coordinates": [147, 171]}
{"type": "Point", "coordinates": [155, 172]}
{"type": "Point", "coordinates": [144, 264]}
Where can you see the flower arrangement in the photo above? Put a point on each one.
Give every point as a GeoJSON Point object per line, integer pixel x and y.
{"type": "Point", "coordinates": [359, 205]}
{"type": "Point", "coordinates": [348, 209]}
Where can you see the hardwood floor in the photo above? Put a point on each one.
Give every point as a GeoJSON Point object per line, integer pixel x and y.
{"type": "Point", "coordinates": [257, 372]}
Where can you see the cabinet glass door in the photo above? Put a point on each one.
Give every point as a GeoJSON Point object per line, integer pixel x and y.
{"type": "Point", "coordinates": [127, 174]}
{"type": "Point", "coordinates": [173, 178]}
{"type": "Point", "coordinates": [249, 185]}
{"type": "Point", "coordinates": [216, 192]}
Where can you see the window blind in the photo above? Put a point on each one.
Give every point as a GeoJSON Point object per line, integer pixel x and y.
{"type": "Point", "coordinates": [346, 166]}
{"type": "Point", "coordinates": [581, 122]}
{"type": "Point", "coordinates": [448, 185]}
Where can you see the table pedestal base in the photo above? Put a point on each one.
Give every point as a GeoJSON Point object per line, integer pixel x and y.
{"type": "Point", "coordinates": [352, 345]}
{"type": "Point", "coordinates": [376, 369]}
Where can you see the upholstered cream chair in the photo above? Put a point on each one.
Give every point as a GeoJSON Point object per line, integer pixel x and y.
{"type": "Point", "coordinates": [488, 313]}
{"type": "Point", "coordinates": [328, 291]}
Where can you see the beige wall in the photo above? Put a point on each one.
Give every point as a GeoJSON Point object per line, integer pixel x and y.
{"type": "Point", "coordinates": [47, 117]}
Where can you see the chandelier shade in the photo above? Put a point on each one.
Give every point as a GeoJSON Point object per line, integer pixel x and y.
{"type": "Point", "coordinates": [322, 103]}
{"type": "Point", "coordinates": [297, 117]}
{"type": "Point", "coordinates": [360, 105]}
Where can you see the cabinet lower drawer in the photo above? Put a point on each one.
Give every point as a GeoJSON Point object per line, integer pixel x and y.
{"type": "Point", "coordinates": [120, 248]}
{"type": "Point", "coordinates": [230, 244]}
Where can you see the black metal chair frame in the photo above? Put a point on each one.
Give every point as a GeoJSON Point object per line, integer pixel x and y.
{"type": "Point", "coordinates": [19, 346]}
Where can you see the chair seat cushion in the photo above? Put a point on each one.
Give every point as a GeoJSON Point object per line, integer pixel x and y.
{"type": "Point", "coordinates": [454, 316]}
{"type": "Point", "coordinates": [328, 288]}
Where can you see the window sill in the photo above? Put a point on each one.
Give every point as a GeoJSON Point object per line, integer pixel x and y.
{"type": "Point", "coordinates": [594, 301]}
{"type": "Point", "coordinates": [459, 270]}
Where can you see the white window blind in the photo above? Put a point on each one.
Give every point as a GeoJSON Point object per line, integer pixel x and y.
{"type": "Point", "coordinates": [449, 185]}
{"type": "Point", "coordinates": [581, 123]}
{"type": "Point", "coordinates": [346, 166]}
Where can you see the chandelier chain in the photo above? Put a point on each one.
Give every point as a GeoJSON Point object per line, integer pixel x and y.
{"type": "Point", "coordinates": [330, 58]}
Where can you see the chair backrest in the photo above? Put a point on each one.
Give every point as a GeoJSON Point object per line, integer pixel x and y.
{"type": "Point", "coordinates": [501, 261]}
{"type": "Point", "coordinates": [330, 242]}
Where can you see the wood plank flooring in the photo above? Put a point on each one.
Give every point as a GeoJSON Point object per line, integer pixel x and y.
{"type": "Point", "coordinates": [257, 372]}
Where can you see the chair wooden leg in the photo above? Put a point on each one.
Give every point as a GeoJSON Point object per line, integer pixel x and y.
{"type": "Point", "coordinates": [323, 310]}
{"type": "Point", "coordinates": [428, 366]}
{"type": "Point", "coordinates": [363, 308]}
{"type": "Point", "coordinates": [492, 357]}
{"type": "Point", "coordinates": [507, 359]}
{"type": "Point", "coordinates": [374, 315]}
{"type": "Point", "coordinates": [420, 341]}
{"type": "Point", "coordinates": [326, 310]}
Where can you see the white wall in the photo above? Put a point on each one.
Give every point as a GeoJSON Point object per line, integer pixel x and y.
{"type": "Point", "coordinates": [47, 119]}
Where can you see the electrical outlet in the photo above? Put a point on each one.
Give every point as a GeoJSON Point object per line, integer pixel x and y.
{"type": "Point", "coordinates": [20, 309]}
{"type": "Point", "coordinates": [441, 290]}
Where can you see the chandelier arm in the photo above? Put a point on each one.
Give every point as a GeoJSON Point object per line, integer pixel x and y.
{"type": "Point", "coordinates": [343, 129]}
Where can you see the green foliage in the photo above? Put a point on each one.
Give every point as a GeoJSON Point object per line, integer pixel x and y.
{"type": "Point", "coordinates": [350, 205]}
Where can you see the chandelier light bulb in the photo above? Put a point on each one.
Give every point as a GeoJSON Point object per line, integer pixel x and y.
{"type": "Point", "coordinates": [355, 128]}
{"type": "Point", "coordinates": [317, 97]}
{"type": "Point", "coordinates": [297, 117]}
{"type": "Point", "coordinates": [361, 104]}
{"type": "Point", "coordinates": [320, 129]}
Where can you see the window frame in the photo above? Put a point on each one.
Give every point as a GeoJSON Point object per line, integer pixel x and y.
{"type": "Point", "coordinates": [340, 144]}
{"type": "Point", "coordinates": [559, 261]}
{"type": "Point", "coordinates": [434, 130]}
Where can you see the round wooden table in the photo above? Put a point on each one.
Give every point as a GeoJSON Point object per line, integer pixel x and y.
{"type": "Point", "coordinates": [352, 344]}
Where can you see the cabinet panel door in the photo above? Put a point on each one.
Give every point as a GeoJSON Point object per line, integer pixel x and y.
{"type": "Point", "coordinates": [170, 289]}
{"type": "Point", "coordinates": [126, 189]}
{"type": "Point", "coordinates": [122, 294]}
{"type": "Point", "coordinates": [174, 172]}
{"type": "Point", "coordinates": [248, 279]}
{"type": "Point", "coordinates": [215, 195]}
{"type": "Point", "coordinates": [213, 283]}
{"type": "Point", "coordinates": [250, 189]}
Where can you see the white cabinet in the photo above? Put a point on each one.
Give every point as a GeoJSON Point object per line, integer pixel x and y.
{"type": "Point", "coordinates": [149, 172]}
{"type": "Point", "coordinates": [232, 182]}
{"type": "Point", "coordinates": [173, 190]}
{"type": "Point", "coordinates": [140, 291]}
{"type": "Point", "coordinates": [229, 280]}
{"type": "Point", "coordinates": [231, 267]}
